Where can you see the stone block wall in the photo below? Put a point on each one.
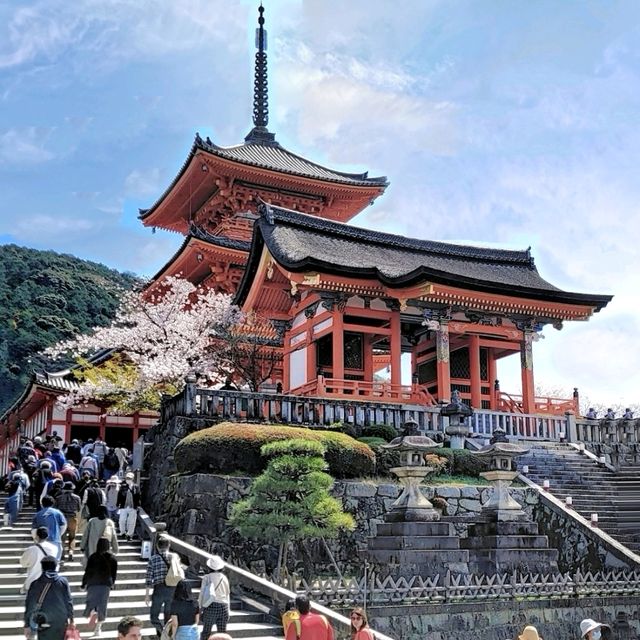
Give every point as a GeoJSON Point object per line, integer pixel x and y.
{"type": "Point", "coordinates": [554, 619]}
{"type": "Point", "coordinates": [196, 509]}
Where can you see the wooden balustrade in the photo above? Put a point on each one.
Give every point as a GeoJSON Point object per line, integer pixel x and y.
{"type": "Point", "coordinates": [512, 403]}
{"type": "Point", "coordinates": [364, 390]}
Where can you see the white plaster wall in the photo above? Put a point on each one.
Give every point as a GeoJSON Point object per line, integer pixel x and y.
{"type": "Point", "coordinates": [298, 368]}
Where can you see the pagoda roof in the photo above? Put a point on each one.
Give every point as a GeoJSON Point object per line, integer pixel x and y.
{"type": "Point", "coordinates": [198, 234]}
{"type": "Point", "coordinates": [269, 155]}
{"type": "Point", "coordinates": [301, 243]}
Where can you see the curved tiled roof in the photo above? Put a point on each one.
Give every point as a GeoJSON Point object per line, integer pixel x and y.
{"type": "Point", "coordinates": [203, 236]}
{"type": "Point", "coordinates": [273, 157]}
{"type": "Point", "coordinates": [300, 242]}
{"type": "Point", "coordinates": [277, 158]}
{"type": "Point", "coordinates": [219, 241]}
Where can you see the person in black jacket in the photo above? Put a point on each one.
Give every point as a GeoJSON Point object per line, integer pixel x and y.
{"type": "Point", "coordinates": [99, 577]}
{"type": "Point", "coordinates": [48, 607]}
{"type": "Point", "coordinates": [128, 503]}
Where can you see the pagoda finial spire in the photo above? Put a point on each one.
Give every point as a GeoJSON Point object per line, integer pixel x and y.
{"type": "Point", "coordinates": [260, 133]}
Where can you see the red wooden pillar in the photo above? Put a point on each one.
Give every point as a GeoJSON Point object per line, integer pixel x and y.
{"type": "Point", "coordinates": [367, 356]}
{"type": "Point", "coordinates": [526, 363]}
{"type": "Point", "coordinates": [338, 345]}
{"type": "Point", "coordinates": [312, 367]}
{"type": "Point", "coordinates": [493, 376]}
{"type": "Point", "coordinates": [396, 348]}
{"type": "Point", "coordinates": [136, 426]}
{"type": "Point", "coordinates": [474, 367]}
{"type": "Point", "coordinates": [286, 365]}
{"type": "Point", "coordinates": [49, 425]}
{"type": "Point", "coordinates": [103, 425]}
{"type": "Point", "coordinates": [442, 362]}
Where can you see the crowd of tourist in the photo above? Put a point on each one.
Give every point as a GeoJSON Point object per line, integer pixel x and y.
{"type": "Point", "coordinates": [84, 488]}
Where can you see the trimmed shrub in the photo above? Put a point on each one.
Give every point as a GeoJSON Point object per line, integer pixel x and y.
{"type": "Point", "coordinates": [462, 462]}
{"type": "Point", "coordinates": [384, 431]}
{"type": "Point", "coordinates": [231, 447]}
{"type": "Point", "coordinates": [439, 463]}
{"type": "Point", "coordinates": [373, 442]}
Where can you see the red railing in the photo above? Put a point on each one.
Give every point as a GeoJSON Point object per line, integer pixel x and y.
{"type": "Point", "coordinates": [512, 403]}
{"type": "Point", "coordinates": [362, 390]}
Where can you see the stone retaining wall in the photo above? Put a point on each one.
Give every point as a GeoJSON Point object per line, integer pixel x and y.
{"type": "Point", "coordinates": [555, 619]}
{"type": "Point", "coordinates": [196, 509]}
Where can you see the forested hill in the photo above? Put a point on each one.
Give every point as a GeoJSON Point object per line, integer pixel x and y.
{"type": "Point", "coordinates": [45, 297]}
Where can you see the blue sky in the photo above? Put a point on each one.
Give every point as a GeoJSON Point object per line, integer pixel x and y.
{"type": "Point", "coordinates": [511, 123]}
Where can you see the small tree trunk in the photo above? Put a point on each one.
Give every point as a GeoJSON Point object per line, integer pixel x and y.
{"type": "Point", "coordinates": [332, 558]}
{"type": "Point", "coordinates": [280, 556]}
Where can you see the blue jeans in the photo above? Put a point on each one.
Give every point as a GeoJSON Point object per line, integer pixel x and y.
{"type": "Point", "coordinates": [187, 633]}
{"type": "Point", "coordinates": [161, 599]}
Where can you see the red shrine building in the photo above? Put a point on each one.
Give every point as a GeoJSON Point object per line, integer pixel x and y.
{"type": "Point", "coordinates": [343, 302]}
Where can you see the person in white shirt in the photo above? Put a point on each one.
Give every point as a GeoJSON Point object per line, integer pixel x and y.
{"type": "Point", "coordinates": [32, 556]}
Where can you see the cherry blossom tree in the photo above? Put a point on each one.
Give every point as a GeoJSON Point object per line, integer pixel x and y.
{"type": "Point", "coordinates": [157, 340]}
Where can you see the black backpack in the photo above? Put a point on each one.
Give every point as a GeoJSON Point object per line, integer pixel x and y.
{"type": "Point", "coordinates": [111, 461]}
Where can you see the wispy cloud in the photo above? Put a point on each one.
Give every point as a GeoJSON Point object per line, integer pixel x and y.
{"type": "Point", "coordinates": [24, 146]}
{"type": "Point", "coordinates": [144, 183]}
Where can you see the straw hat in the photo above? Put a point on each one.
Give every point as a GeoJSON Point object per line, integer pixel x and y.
{"type": "Point", "coordinates": [529, 633]}
{"type": "Point", "coordinates": [215, 563]}
{"type": "Point", "coordinates": [590, 625]}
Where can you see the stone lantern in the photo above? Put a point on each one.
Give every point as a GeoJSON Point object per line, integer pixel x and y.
{"type": "Point", "coordinates": [457, 412]}
{"type": "Point", "coordinates": [501, 474]}
{"type": "Point", "coordinates": [412, 506]}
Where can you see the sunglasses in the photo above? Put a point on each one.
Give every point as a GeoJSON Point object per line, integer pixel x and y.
{"type": "Point", "coordinates": [356, 615]}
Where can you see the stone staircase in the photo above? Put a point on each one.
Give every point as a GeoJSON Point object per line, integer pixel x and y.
{"type": "Point", "coordinates": [614, 496]}
{"type": "Point", "coordinates": [127, 598]}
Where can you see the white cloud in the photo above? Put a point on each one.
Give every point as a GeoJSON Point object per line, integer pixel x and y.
{"type": "Point", "coordinates": [115, 30]}
{"type": "Point", "coordinates": [144, 182]}
{"type": "Point", "coordinates": [24, 146]}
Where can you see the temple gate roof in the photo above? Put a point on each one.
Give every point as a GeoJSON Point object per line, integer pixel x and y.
{"type": "Point", "coordinates": [303, 243]}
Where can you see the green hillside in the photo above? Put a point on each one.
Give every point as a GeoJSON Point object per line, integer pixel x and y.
{"type": "Point", "coordinates": [45, 297]}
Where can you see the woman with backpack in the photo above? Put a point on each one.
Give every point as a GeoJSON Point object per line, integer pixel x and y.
{"type": "Point", "coordinates": [98, 579]}
{"type": "Point", "coordinates": [184, 613]}
{"type": "Point", "coordinates": [215, 598]}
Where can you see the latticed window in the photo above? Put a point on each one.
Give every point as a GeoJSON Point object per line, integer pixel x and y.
{"type": "Point", "coordinates": [484, 364]}
{"type": "Point", "coordinates": [459, 363]}
{"type": "Point", "coordinates": [427, 371]}
{"type": "Point", "coordinates": [353, 351]}
{"type": "Point", "coordinates": [324, 351]}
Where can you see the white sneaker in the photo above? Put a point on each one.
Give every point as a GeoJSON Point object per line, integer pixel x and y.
{"type": "Point", "coordinates": [98, 630]}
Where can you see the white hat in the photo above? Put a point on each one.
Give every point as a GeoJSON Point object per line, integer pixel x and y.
{"type": "Point", "coordinates": [113, 480]}
{"type": "Point", "coordinates": [128, 476]}
{"type": "Point", "coordinates": [529, 633]}
{"type": "Point", "coordinates": [590, 625]}
{"type": "Point", "coordinates": [215, 563]}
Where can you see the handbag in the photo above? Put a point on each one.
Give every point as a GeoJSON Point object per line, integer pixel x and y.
{"type": "Point", "coordinates": [71, 632]}
{"type": "Point", "coordinates": [38, 618]}
{"type": "Point", "coordinates": [167, 632]}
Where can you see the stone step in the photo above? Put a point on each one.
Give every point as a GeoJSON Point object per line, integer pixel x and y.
{"type": "Point", "coordinates": [239, 629]}
{"type": "Point", "coordinates": [6, 559]}
{"type": "Point", "coordinates": [505, 542]}
{"type": "Point", "coordinates": [117, 607]}
{"type": "Point", "coordinates": [414, 542]}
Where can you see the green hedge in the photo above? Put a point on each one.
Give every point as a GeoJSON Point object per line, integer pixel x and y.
{"type": "Point", "coordinates": [463, 462]}
{"type": "Point", "coordinates": [373, 442]}
{"type": "Point", "coordinates": [384, 431]}
{"type": "Point", "coordinates": [231, 447]}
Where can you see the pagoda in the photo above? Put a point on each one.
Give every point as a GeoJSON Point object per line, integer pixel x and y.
{"type": "Point", "coordinates": [271, 227]}
{"type": "Point", "coordinates": [214, 198]}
